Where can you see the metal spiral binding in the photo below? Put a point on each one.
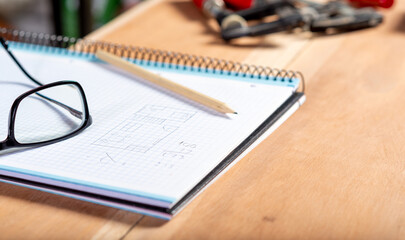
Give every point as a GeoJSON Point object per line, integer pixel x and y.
{"type": "Point", "coordinates": [84, 46]}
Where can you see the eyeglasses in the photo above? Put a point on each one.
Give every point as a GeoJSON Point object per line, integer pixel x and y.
{"type": "Point", "coordinates": [47, 114]}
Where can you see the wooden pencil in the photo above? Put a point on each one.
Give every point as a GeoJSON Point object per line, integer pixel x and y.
{"type": "Point", "coordinates": [163, 82]}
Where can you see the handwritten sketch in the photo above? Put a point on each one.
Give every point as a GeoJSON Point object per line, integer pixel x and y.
{"type": "Point", "coordinates": [145, 128]}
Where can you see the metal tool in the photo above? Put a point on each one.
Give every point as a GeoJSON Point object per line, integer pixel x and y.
{"type": "Point", "coordinates": [235, 25]}
{"type": "Point", "coordinates": [289, 14]}
{"type": "Point", "coordinates": [310, 16]}
{"type": "Point", "coordinates": [337, 15]}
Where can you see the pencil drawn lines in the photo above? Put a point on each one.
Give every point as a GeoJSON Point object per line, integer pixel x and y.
{"type": "Point", "coordinates": [108, 159]}
{"type": "Point", "coordinates": [146, 128]}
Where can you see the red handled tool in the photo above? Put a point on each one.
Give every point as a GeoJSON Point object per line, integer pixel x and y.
{"type": "Point", "coordinates": [373, 3]}
{"type": "Point", "coordinates": [233, 4]}
{"type": "Point", "coordinates": [239, 4]}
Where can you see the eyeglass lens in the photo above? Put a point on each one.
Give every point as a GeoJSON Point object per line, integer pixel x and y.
{"type": "Point", "coordinates": [49, 114]}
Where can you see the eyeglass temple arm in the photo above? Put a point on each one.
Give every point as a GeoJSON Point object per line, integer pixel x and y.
{"type": "Point", "coordinates": [5, 45]}
{"type": "Point", "coordinates": [74, 112]}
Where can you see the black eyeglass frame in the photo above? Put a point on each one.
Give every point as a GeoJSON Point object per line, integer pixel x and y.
{"type": "Point", "coordinates": [11, 141]}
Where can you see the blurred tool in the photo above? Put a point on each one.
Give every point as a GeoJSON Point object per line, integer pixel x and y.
{"type": "Point", "coordinates": [289, 14]}
{"type": "Point", "coordinates": [337, 15]}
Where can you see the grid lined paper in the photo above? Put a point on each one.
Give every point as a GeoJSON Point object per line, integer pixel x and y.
{"type": "Point", "coordinates": [144, 140]}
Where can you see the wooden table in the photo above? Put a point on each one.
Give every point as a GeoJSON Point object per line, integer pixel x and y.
{"type": "Point", "coordinates": [335, 169]}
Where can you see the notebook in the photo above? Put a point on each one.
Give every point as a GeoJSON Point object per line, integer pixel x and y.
{"type": "Point", "coordinates": [148, 150]}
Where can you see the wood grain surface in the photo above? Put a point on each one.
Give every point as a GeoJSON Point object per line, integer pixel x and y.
{"type": "Point", "coordinates": [335, 169]}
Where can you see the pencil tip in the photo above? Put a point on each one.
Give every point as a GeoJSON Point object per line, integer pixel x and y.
{"type": "Point", "coordinates": [235, 113]}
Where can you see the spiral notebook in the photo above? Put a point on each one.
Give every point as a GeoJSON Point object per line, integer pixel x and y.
{"type": "Point", "coordinates": [148, 150]}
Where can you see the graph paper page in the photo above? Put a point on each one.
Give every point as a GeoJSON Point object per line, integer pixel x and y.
{"type": "Point", "coordinates": [144, 140]}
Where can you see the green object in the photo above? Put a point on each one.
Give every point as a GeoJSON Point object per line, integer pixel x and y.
{"type": "Point", "coordinates": [79, 17]}
{"type": "Point", "coordinates": [105, 11]}
{"type": "Point", "coordinates": [70, 18]}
